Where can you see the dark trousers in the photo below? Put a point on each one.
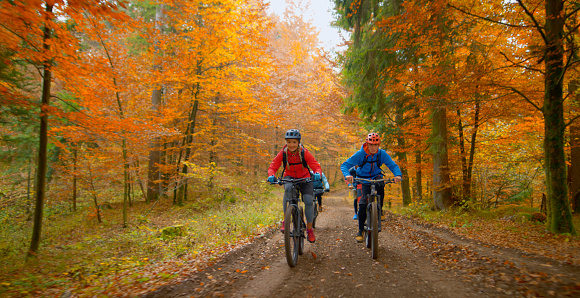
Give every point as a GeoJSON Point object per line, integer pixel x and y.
{"type": "Point", "coordinates": [319, 198]}
{"type": "Point", "coordinates": [362, 203]}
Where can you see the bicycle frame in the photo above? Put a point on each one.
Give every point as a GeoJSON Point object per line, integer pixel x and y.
{"type": "Point", "coordinates": [294, 225]}
{"type": "Point", "coordinates": [372, 225]}
{"type": "Point", "coordinates": [295, 197]}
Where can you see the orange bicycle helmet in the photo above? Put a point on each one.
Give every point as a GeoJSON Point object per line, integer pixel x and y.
{"type": "Point", "coordinates": [373, 138]}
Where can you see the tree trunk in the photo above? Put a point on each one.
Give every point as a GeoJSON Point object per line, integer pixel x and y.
{"type": "Point", "coordinates": [126, 182]}
{"type": "Point", "coordinates": [153, 182]}
{"type": "Point", "coordinates": [418, 174]}
{"type": "Point", "coordinates": [574, 173]}
{"type": "Point", "coordinates": [575, 166]}
{"type": "Point", "coordinates": [42, 143]}
{"type": "Point", "coordinates": [559, 215]}
{"type": "Point", "coordinates": [464, 183]}
{"type": "Point", "coordinates": [74, 198]}
{"type": "Point", "coordinates": [188, 138]}
{"type": "Point", "coordinates": [29, 187]}
{"type": "Point", "coordinates": [467, 164]}
{"type": "Point", "coordinates": [472, 150]}
{"type": "Point", "coordinates": [418, 162]}
{"type": "Point", "coordinates": [213, 144]}
{"type": "Point", "coordinates": [441, 179]}
{"type": "Point", "coordinates": [402, 156]}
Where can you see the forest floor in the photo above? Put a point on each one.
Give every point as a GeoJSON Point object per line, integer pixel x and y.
{"type": "Point", "coordinates": [416, 259]}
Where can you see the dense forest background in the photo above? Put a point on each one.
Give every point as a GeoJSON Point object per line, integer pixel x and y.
{"type": "Point", "coordinates": [480, 99]}
{"type": "Point", "coordinates": [165, 101]}
{"type": "Point", "coordinates": [110, 104]}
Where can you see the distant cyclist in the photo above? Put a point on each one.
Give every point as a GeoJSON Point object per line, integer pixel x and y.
{"type": "Point", "coordinates": [320, 189]}
{"type": "Point", "coordinates": [368, 161]}
{"type": "Point", "coordinates": [297, 161]}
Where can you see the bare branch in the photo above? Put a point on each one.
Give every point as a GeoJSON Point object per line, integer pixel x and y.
{"type": "Point", "coordinates": [575, 10]}
{"type": "Point", "coordinates": [571, 120]}
{"type": "Point", "coordinates": [537, 25]}
{"type": "Point", "coordinates": [488, 19]}
{"type": "Point", "coordinates": [519, 64]}
{"type": "Point", "coordinates": [516, 91]}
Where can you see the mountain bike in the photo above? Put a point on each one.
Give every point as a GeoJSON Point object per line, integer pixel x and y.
{"type": "Point", "coordinates": [372, 226]}
{"type": "Point", "coordinates": [294, 225]}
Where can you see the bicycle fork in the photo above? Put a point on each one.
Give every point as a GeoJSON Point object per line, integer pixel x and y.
{"type": "Point", "coordinates": [368, 221]}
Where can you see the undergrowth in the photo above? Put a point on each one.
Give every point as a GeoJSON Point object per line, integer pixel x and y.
{"type": "Point", "coordinates": [459, 217]}
{"type": "Point", "coordinates": [77, 252]}
{"type": "Point", "coordinates": [511, 226]}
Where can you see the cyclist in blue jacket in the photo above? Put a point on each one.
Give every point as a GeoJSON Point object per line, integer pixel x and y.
{"type": "Point", "coordinates": [368, 161]}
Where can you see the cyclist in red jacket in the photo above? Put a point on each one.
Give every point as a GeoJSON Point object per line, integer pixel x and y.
{"type": "Point", "coordinates": [296, 165]}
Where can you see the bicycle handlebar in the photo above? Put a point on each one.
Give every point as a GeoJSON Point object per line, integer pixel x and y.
{"type": "Point", "coordinates": [291, 180]}
{"type": "Point", "coordinates": [389, 180]}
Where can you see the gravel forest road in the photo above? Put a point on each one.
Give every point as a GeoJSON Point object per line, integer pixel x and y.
{"type": "Point", "coordinates": [415, 260]}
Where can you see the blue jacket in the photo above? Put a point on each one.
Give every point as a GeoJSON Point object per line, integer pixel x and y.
{"type": "Point", "coordinates": [372, 168]}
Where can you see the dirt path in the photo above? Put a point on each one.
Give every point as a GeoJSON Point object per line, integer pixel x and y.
{"type": "Point", "coordinates": [415, 260]}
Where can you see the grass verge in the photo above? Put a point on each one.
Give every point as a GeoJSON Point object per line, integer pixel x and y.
{"type": "Point", "coordinates": [161, 244]}
{"type": "Point", "coordinates": [507, 226]}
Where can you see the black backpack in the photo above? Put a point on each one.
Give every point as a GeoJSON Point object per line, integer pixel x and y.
{"type": "Point", "coordinates": [285, 161]}
{"type": "Point", "coordinates": [376, 161]}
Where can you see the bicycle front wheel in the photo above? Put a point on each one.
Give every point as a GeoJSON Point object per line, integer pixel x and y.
{"type": "Point", "coordinates": [291, 235]}
{"type": "Point", "coordinates": [301, 232]}
{"type": "Point", "coordinates": [375, 230]}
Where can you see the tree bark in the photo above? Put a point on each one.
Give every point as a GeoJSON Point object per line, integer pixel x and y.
{"type": "Point", "coordinates": [213, 157]}
{"type": "Point", "coordinates": [418, 161]}
{"type": "Point", "coordinates": [467, 164]}
{"type": "Point", "coordinates": [418, 176]}
{"type": "Point", "coordinates": [43, 143]}
{"type": "Point", "coordinates": [153, 182]}
{"type": "Point", "coordinates": [575, 166]}
{"type": "Point", "coordinates": [464, 183]}
{"type": "Point", "coordinates": [574, 173]}
{"type": "Point", "coordinates": [402, 156]}
{"type": "Point", "coordinates": [441, 179]}
{"type": "Point", "coordinates": [74, 198]}
{"type": "Point", "coordinates": [559, 215]}
{"type": "Point", "coordinates": [188, 138]}
{"type": "Point", "coordinates": [472, 149]}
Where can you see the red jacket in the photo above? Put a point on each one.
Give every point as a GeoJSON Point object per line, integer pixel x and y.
{"type": "Point", "coordinates": [296, 170]}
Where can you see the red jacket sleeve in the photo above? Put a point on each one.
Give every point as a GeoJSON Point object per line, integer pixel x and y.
{"type": "Point", "coordinates": [311, 162]}
{"type": "Point", "coordinates": [275, 164]}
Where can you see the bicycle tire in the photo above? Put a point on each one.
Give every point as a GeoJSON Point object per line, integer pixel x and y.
{"type": "Point", "coordinates": [368, 235]}
{"type": "Point", "coordinates": [374, 231]}
{"type": "Point", "coordinates": [301, 232]}
{"type": "Point", "coordinates": [290, 243]}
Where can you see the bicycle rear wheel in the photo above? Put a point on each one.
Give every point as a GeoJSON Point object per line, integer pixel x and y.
{"type": "Point", "coordinates": [374, 230]}
{"type": "Point", "coordinates": [291, 235]}
{"type": "Point", "coordinates": [368, 235]}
